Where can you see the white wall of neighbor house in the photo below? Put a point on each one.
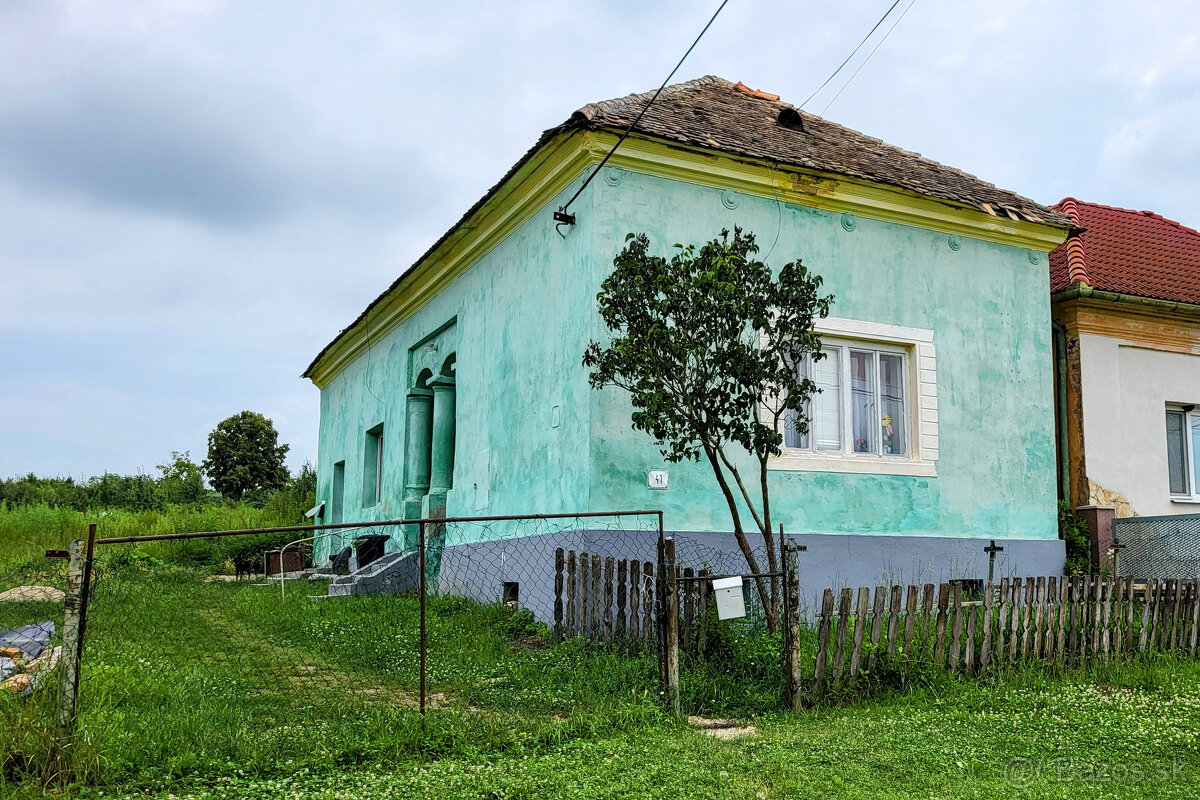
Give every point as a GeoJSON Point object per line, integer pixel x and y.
{"type": "Point", "coordinates": [1126, 390]}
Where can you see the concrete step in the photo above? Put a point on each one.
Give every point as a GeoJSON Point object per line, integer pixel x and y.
{"type": "Point", "coordinates": [394, 573]}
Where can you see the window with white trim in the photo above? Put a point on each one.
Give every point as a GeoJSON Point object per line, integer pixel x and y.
{"type": "Point", "coordinates": [862, 406]}
{"type": "Point", "coordinates": [1183, 451]}
{"type": "Point", "coordinates": [876, 408]}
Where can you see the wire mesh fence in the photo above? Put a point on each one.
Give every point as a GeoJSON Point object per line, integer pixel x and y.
{"type": "Point", "coordinates": [1158, 547]}
{"type": "Point", "coordinates": [301, 660]}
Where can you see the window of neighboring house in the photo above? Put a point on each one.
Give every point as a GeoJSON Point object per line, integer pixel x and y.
{"type": "Point", "coordinates": [373, 467]}
{"type": "Point", "coordinates": [876, 408]}
{"type": "Point", "coordinates": [1183, 451]}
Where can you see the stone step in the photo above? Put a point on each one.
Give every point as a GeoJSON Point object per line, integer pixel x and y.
{"type": "Point", "coordinates": [394, 573]}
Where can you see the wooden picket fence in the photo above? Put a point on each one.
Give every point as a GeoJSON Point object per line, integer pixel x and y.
{"type": "Point", "coordinates": [1061, 620]}
{"type": "Point", "coordinates": [602, 598]}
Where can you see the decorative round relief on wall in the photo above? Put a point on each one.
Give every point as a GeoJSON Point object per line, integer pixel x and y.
{"type": "Point", "coordinates": [729, 199]}
{"type": "Point", "coordinates": [848, 222]}
{"type": "Point", "coordinates": [1033, 257]}
{"type": "Point", "coordinates": [954, 241]}
{"type": "Point", "coordinates": [613, 175]}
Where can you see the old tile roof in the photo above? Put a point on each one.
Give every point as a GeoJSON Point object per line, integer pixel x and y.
{"type": "Point", "coordinates": [1130, 252]}
{"type": "Point", "coordinates": [715, 113]}
{"type": "Point", "coordinates": [712, 112]}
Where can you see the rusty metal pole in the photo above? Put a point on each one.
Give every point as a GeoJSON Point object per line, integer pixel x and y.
{"type": "Point", "coordinates": [421, 592]}
{"type": "Point", "coordinates": [85, 599]}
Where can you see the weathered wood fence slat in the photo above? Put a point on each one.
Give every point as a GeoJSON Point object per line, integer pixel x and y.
{"type": "Point", "coordinates": [1053, 619]}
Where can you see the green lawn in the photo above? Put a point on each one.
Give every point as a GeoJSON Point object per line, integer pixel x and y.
{"type": "Point", "coordinates": [212, 689]}
{"type": "Point", "coordinates": [1027, 736]}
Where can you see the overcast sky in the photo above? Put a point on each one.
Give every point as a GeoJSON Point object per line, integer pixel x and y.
{"type": "Point", "coordinates": [196, 196]}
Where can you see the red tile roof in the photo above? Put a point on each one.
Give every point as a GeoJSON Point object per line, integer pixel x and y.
{"type": "Point", "coordinates": [1130, 252]}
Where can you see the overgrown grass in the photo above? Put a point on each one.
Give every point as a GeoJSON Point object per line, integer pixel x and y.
{"type": "Point", "coordinates": [1120, 730]}
{"type": "Point", "coordinates": [228, 689]}
{"type": "Point", "coordinates": [26, 532]}
{"type": "Point", "coordinates": [188, 677]}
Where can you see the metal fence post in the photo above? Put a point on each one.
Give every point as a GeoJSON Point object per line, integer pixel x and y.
{"type": "Point", "coordinates": [668, 623]}
{"type": "Point", "coordinates": [791, 584]}
{"type": "Point", "coordinates": [421, 591]}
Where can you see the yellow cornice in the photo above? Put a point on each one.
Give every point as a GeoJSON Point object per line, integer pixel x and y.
{"type": "Point", "coordinates": [561, 160]}
{"type": "Point", "coordinates": [826, 191]}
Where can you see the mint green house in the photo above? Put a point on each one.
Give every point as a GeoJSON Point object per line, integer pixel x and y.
{"type": "Point", "coordinates": [460, 391]}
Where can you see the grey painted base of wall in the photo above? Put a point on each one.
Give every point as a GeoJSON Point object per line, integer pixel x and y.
{"type": "Point", "coordinates": [480, 570]}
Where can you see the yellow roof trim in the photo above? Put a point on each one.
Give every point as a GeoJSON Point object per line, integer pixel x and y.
{"type": "Point", "coordinates": [567, 156]}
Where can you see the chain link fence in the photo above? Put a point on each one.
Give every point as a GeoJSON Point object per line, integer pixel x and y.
{"type": "Point", "coordinates": [1158, 547]}
{"type": "Point", "coordinates": [286, 649]}
{"type": "Point", "coordinates": [293, 654]}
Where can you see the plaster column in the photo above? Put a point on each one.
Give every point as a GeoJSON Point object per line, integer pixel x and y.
{"type": "Point", "coordinates": [417, 439]}
{"type": "Point", "coordinates": [442, 469]}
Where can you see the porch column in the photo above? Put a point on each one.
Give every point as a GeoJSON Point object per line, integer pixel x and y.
{"type": "Point", "coordinates": [442, 469]}
{"type": "Point", "coordinates": [417, 439]}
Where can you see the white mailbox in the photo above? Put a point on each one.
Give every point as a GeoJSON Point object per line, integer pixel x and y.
{"type": "Point", "coordinates": [730, 602]}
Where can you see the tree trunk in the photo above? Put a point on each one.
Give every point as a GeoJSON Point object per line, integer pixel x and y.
{"type": "Point", "coordinates": [764, 592]}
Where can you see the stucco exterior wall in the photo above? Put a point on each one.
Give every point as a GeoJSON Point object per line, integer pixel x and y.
{"type": "Point", "coordinates": [516, 323]}
{"type": "Point", "coordinates": [1125, 389]}
{"type": "Point", "coordinates": [532, 437]}
{"type": "Point", "coordinates": [988, 306]}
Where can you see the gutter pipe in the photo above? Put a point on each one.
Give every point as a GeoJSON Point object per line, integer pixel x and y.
{"type": "Point", "coordinates": [1060, 391]}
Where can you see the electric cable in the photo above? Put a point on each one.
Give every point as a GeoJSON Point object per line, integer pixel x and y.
{"type": "Point", "coordinates": [868, 58]}
{"type": "Point", "coordinates": [852, 52]}
{"type": "Point", "coordinates": [561, 215]}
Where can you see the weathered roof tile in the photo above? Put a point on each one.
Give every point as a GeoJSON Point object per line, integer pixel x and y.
{"type": "Point", "coordinates": [743, 121]}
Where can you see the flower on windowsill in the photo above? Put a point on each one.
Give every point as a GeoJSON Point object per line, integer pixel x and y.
{"type": "Point", "coordinates": [889, 433]}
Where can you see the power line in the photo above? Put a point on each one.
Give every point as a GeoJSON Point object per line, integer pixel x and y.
{"type": "Point", "coordinates": [561, 216]}
{"type": "Point", "coordinates": [852, 52]}
{"type": "Point", "coordinates": [868, 58]}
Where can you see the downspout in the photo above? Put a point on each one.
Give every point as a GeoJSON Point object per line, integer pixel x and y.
{"type": "Point", "coordinates": [1060, 392]}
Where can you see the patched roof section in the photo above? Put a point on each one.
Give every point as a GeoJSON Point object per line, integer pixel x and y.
{"type": "Point", "coordinates": [713, 112]}
{"type": "Point", "coordinates": [1130, 252]}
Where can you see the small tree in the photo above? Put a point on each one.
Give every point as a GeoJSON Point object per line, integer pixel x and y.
{"type": "Point", "coordinates": [244, 455]}
{"type": "Point", "coordinates": [180, 480]}
{"type": "Point", "coordinates": [710, 347]}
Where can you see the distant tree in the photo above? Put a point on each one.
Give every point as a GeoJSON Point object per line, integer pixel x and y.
{"type": "Point", "coordinates": [129, 492]}
{"type": "Point", "coordinates": [710, 347]}
{"type": "Point", "coordinates": [54, 492]}
{"type": "Point", "coordinates": [180, 480]}
{"type": "Point", "coordinates": [244, 455]}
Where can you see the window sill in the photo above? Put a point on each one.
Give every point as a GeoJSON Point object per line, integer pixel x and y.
{"type": "Point", "coordinates": [863, 465]}
{"type": "Point", "coordinates": [1186, 501]}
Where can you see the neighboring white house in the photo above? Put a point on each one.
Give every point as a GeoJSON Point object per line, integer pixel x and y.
{"type": "Point", "coordinates": [1126, 307]}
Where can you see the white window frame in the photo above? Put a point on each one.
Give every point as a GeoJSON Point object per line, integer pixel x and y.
{"type": "Point", "coordinates": [1189, 465]}
{"type": "Point", "coordinates": [920, 365]}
